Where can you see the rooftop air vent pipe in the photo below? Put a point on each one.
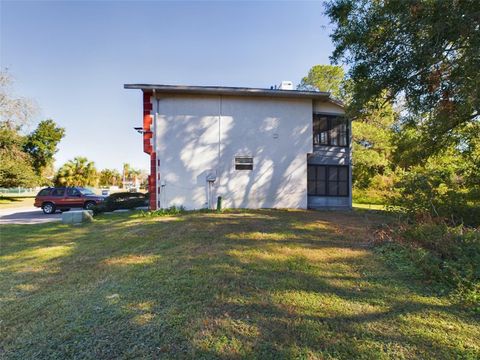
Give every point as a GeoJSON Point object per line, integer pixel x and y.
{"type": "Point", "coordinates": [286, 85]}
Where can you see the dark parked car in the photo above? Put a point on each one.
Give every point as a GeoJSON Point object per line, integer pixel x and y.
{"type": "Point", "coordinates": [65, 198]}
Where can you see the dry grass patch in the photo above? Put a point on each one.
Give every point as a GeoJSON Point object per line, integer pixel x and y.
{"type": "Point", "coordinates": [131, 260]}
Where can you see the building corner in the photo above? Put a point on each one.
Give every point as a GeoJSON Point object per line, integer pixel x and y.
{"type": "Point", "coordinates": [148, 138]}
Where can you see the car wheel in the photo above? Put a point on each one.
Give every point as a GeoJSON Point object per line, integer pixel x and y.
{"type": "Point", "coordinates": [89, 205]}
{"type": "Point", "coordinates": [48, 208]}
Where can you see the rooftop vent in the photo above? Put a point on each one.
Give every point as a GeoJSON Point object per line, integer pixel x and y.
{"type": "Point", "coordinates": [286, 85]}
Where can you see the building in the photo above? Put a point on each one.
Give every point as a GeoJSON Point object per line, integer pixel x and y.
{"type": "Point", "coordinates": [256, 148]}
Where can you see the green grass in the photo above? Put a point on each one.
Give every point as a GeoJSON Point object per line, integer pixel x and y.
{"type": "Point", "coordinates": [16, 201]}
{"type": "Point", "coordinates": [369, 206]}
{"type": "Point", "coordinates": [242, 284]}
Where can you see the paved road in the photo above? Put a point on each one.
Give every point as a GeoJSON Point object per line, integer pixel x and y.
{"type": "Point", "coordinates": [26, 215]}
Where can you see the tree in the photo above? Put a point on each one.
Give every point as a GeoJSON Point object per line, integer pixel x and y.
{"type": "Point", "coordinates": [14, 111]}
{"type": "Point", "coordinates": [324, 78]}
{"type": "Point", "coordinates": [42, 144]}
{"type": "Point", "coordinates": [373, 145]}
{"type": "Point", "coordinates": [446, 185]}
{"type": "Point", "coordinates": [425, 53]}
{"type": "Point", "coordinates": [109, 177]}
{"type": "Point", "coordinates": [77, 172]}
{"type": "Point", "coordinates": [125, 173]}
{"type": "Point", "coordinates": [15, 165]}
{"type": "Point", "coordinates": [130, 174]}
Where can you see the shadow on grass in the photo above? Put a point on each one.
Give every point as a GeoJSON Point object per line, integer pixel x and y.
{"type": "Point", "coordinates": [257, 284]}
{"type": "Point", "coordinates": [10, 199]}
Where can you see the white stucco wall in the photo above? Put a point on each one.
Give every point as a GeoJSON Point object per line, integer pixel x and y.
{"type": "Point", "coordinates": [198, 135]}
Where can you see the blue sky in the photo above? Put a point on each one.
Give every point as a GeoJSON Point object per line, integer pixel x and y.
{"type": "Point", "coordinates": [74, 57]}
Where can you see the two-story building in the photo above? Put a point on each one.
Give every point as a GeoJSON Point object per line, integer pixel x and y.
{"type": "Point", "coordinates": [256, 148]}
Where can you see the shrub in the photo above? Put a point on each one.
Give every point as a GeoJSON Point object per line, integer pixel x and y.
{"type": "Point", "coordinates": [380, 189]}
{"type": "Point", "coordinates": [122, 200]}
{"type": "Point", "coordinates": [121, 196]}
{"type": "Point", "coordinates": [172, 210]}
{"type": "Point", "coordinates": [437, 193]}
{"type": "Point", "coordinates": [448, 256]}
{"type": "Point", "coordinates": [370, 196]}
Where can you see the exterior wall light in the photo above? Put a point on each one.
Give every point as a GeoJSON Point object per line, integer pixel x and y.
{"type": "Point", "coordinates": [140, 130]}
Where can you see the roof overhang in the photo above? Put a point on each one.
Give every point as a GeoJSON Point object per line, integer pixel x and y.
{"type": "Point", "coordinates": [234, 91]}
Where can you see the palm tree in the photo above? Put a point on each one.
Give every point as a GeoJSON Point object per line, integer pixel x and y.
{"type": "Point", "coordinates": [134, 173]}
{"type": "Point", "coordinates": [125, 173]}
{"type": "Point", "coordinates": [130, 174]}
{"type": "Point", "coordinates": [77, 172]}
{"type": "Point", "coordinates": [109, 177]}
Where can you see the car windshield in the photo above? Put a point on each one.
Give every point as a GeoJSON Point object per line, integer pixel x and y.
{"type": "Point", "coordinates": [86, 191]}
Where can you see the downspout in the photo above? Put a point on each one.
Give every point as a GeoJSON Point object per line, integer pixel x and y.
{"type": "Point", "coordinates": [220, 131]}
{"type": "Point", "coordinates": [154, 149]}
{"type": "Point", "coordinates": [217, 172]}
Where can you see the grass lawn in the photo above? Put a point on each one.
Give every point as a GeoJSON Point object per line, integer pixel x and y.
{"type": "Point", "coordinates": [16, 201]}
{"type": "Point", "coordinates": [369, 206]}
{"type": "Point", "coordinates": [242, 284]}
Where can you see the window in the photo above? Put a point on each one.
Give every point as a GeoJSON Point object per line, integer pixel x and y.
{"type": "Point", "coordinates": [73, 192]}
{"type": "Point", "coordinates": [243, 163]}
{"type": "Point", "coordinates": [58, 192]}
{"type": "Point", "coordinates": [330, 130]}
{"type": "Point", "coordinates": [327, 180]}
{"type": "Point", "coordinates": [85, 191]}
{"type": "Point", "coordinates": [44, 192]}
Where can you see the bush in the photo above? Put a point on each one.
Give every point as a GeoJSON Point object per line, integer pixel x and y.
{"type": "Point", "coordinates": [370, 196]}
{"type": "Point", "coordinates": [437, 193]}
{"type": "Point", "coordinates": [380, 189]}
{"type": "Point", "coordinates": [447, 256]}
{"type": "Point", "coordinates": [173, 210]}
{"type": "Point", "coordinates": [122, 200]}
{"type": "Point", "coordinates": [121, 196]}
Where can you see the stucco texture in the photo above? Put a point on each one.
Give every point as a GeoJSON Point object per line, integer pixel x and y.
{"type": "Point", "coordinates": [197, 136]}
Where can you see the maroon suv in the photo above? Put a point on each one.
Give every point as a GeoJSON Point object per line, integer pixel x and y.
{"type": "Point", "coordinates": [64, 198]}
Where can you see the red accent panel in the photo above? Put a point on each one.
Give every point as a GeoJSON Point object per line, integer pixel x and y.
{"type": "Point", "coordinates": [148, 148]}
{"type": "Point", "coordinates": [147, 122]}
{"type": "Point", "coordinates": [146, 96]}
{"type": "Point", "coordinates": [152, 182]}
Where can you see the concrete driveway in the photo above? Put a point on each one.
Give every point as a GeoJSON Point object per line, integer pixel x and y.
{"type": "Point", "coordinates": [26, 215]}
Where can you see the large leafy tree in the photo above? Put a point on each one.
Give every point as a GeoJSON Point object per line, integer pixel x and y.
{"type": "Point", "coordinates": [42, 144]}
{"type": "Point", "coordinates": [373, 145]}
{"type": "Point", "coordinates": [15, 164]}
{"type": "Point", "coordinates": [77, 172]}
{"type": "Point", "coordinates": [327, 78]}
{"type": "Point", "coordinates": [423, 53]}
{"type": "Point", "coordinates": [109, 177]}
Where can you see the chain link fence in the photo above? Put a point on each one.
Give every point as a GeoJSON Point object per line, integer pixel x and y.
{"type": "Point", "coordinates": [19, 191]}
